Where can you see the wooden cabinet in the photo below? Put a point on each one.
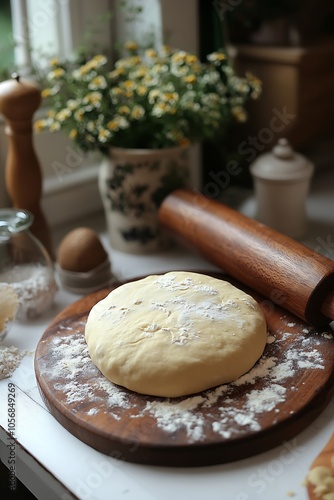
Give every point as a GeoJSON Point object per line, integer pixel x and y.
{"type": "Point", "coordinates": [298, 85]}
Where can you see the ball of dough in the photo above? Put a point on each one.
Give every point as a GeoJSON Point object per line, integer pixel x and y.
{"type": "Point", "coordinates": [175, 334]}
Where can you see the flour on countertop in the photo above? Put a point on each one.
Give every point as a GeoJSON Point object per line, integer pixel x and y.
{"type": "Point", "coordinates": [10, 358]}
{"type": "Point", "coordinates": [193, 415]}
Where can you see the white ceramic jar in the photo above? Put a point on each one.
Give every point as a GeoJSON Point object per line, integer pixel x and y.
{"type": "Point", "coordinates": [281, 181]}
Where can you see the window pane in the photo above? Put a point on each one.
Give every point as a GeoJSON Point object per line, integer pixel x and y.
{"type": "Point", "coordinates": [6, 40]}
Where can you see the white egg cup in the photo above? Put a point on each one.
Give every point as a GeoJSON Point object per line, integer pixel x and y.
{"type": "Point", "coordinates": [86, 282]}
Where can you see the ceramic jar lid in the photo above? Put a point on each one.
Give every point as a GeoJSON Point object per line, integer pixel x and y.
{"type": "Point", "coordinates": [282, 163]}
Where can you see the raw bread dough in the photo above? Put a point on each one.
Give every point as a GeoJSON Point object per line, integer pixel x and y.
{"type": "Point", "coordinates": [322, 478]}
{"type": "Point", "coordinates": [175, 334]}
{"type": "Point", "coordinates": [9, 304]}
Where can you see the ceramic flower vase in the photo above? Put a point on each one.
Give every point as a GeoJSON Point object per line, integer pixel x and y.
{"type": "Point", "coordinates": [133, 183]}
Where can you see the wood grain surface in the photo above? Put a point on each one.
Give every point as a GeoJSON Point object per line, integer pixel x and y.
{"type": "Point", "coordinates": [216, 426]}
{"type": "Point", "coordinates": [324, 459]}
{"type": "Point", "coordinates": [19, 100]}
{"type": "Point", "coordinates": [269, 262]}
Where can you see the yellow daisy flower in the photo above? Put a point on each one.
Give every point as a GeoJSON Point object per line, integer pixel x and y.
{"type": "Point", "coordinates": [98, 82]}
{"type": "Point", "coordinates": [116, 72]}
{"type": "Point", "coordinates": [151, 53]}
{"type": "Point", "coordinates": [147, 80]}
{"type": "Point", "coordinates": [179, 71]}
{"type": "Point", "coordinates": [116, 91]}
{"type": "Point", "coordinates": [72, 104]}
{"type": "Point", "coordinates": [141, 90]}
{"type": "Point", "coordinates": [239, 113]}
{"type": "Point", "coordinates": [191, 59]}
{"type": "Point", "coordinates": [46, 93]}
{"type": "Point", "coordinates": [54, 127]}
{"type": "Point", "coordinates": [79, 115]}
{"type": "Point", "coordinates": [153, 96]}
{"type": "Point", "coordinates": [73, 133]}
{"type": "Point", "coordinates": [165, 50]}
{"type": "Point", "coordinates": [190, 79]}
{"type": "Point", "coordinates": [171, 109]}
{"type": "Point", "coordinates": [139, 73]}
{"type": "Point", "coordinates": [124, 110]}
{"type": "Point", "coordinates": [159, 109]}
{"type": "Point", "coordinates": [131, 45]}
{"type": "Point", "coordinates": [54, 62]}
{"type": "Point", "coordinates": [122, 122]}
{"type": "Point", "coordinates": [63, 114]}
{"type": "Point", "coordinates": [113, 125]}
{"type": "Point", "coordinates": [104, 135]}
{"type": "Point", "coordinates": [84, 69]}
{"type": "Point", "coordinates": [128, 62]}
{"type": "Point", "coordinates": [128, 85]}
{"type": "Point", "coordinates": [216, 57]}
{"type": "Point", "coordinates": [56, 74]}
{"type": "Point", "coordinates": [170, 97]}
{"type": "Point", "coordinates": [241, 86]}
{"type": "Point", "coordinates": [51, 91]}
{"type": "Point", "coordinates": [98, 60]}
{"type": "Point", "coordinates": [93, 98]}
{"type": "Point", "coordinates": [40, 125]}
{"type": "Point", "coordinates": [160, 68]}
{"type": "Point", "coordinates": [137, 112]}
{"type": "Point", "coordinates": [179, 57]}
{"type": "Point", "coordinates": [119, 122]}
{"type": "Point", "coordinates": [91, 126]}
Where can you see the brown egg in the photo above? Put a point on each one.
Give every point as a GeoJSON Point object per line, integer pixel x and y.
{"type": "Point", "coordinates": [81, 250]}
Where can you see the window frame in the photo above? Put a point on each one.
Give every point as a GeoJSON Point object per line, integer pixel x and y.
{"type": "Point", "coordinates": [65, 199]}
{"type": "Point", "coordinates": [59, 22]}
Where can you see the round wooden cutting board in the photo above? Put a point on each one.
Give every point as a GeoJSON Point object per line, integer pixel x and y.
{"type": "Point", "coordinates": [280, 396]}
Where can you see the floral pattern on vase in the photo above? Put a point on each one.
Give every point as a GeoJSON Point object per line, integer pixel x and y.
{"type": "Point", "coordinates": [133, 183]}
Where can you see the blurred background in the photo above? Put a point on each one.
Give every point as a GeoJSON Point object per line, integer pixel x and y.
{"type": "Point", "coordinates": [288, 44]}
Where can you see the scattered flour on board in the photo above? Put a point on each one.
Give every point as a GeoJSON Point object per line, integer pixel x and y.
{"type": "Point", "coordinates": [10, 358]}
{"type": "Point", "coordinates": [72, 372]}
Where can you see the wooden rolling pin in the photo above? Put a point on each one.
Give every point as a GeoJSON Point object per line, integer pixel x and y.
{"type": "Point", "coordinates": [283, 270]}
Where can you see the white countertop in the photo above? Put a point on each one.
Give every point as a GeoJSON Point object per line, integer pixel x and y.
{"type": "Point", "coordinates": [56, 465]}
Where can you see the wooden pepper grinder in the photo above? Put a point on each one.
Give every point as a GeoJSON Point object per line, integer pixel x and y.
{"type": "Point", "coordinates": [19, 99]}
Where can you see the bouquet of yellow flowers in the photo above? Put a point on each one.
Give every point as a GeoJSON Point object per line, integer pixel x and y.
{"type": "Point", "coordinates": [154, 99]}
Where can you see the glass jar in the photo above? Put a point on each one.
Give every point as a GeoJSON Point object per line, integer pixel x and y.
{"type": "Point", "coordinates": [25, 264]}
